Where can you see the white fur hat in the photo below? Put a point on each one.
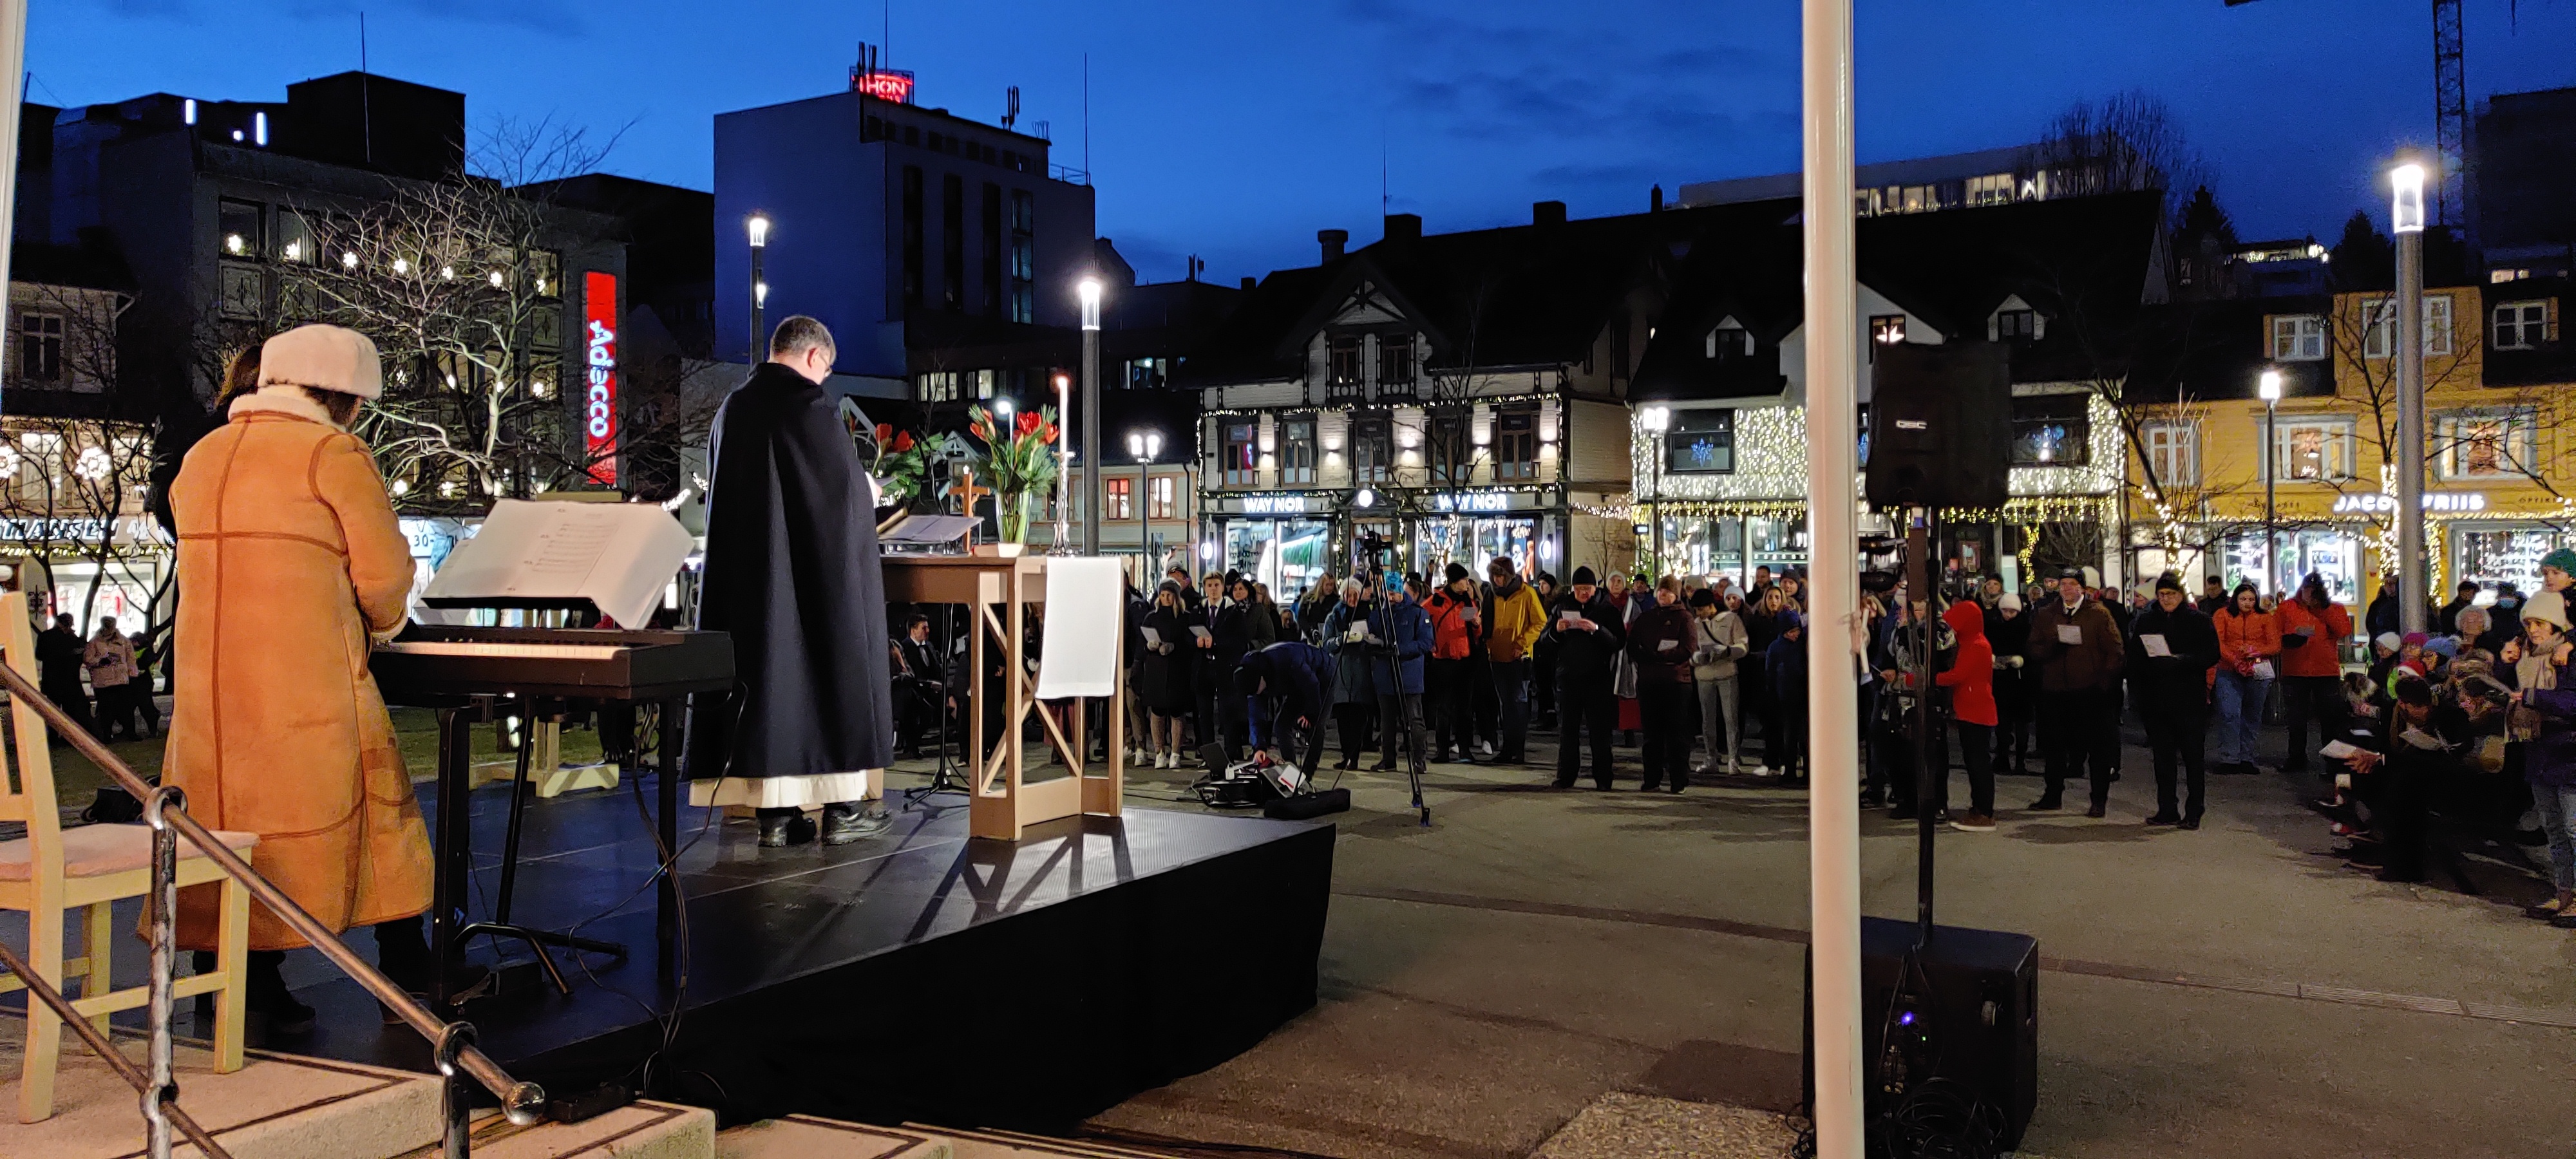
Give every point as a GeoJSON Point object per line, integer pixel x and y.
{"type": "Point", "coordinates": [333, 358]}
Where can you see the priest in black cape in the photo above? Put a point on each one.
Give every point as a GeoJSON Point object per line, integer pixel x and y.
{"type": "Point", "coordinates": [792, 574]}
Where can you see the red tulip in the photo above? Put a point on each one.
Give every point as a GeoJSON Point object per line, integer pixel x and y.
{"type": "Point", "coordinates": [885, 432]}
{"type": "Point", "coordinates": [902, 441]}
{"type": "Point", "coordinates": [1029, 422]}
{"type": "Point", "coordinates": [1046, 434]}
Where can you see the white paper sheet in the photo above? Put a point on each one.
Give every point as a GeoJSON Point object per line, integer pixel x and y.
{"type": "Point", "coordinates": [2069, 634]}
{"type": "Point", "coordinates": [2154, 643]}
{"type": "Point", "coordinates": [1084, 619]}
{"type": "Point", "coordinates": [619, 556]}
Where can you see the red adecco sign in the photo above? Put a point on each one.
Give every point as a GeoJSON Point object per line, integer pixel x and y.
{"type": "Point", "coordinates": [599, 402]}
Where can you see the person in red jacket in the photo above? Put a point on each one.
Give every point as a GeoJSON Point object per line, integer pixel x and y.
{"type": "Point", "coordinates": [2313, 628]}
{"type": "Point", "coordinates": [1971, 681]}
{"type": "Point", "coordinates": [1456, 630]}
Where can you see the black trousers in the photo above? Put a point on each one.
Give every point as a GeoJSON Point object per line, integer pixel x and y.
{"type": "Point", "coordinates": [1302, 747]}
{"type": "Point", "coordinates": [2305, 698]}
{"type": "Point", "coordinates": [2079, 736]}
{"type": "Point", "coordinates": [1400, 718]}
{"type": "Point", "coordinates": [1588, 705]}
{"type": "Point", "coordinates": [1354, 720]}
{"type": "Point", "coordinates": [1448, 684]}
{"type": "Point", "coordinates": [2176, 733]}
{"type": "Point", "coordinates": [1482, 702]}
{"type": "Point", "coordinates": [1974, 740]}
{"type": "Point", "coordinates": [1786, 738]}
{"type": "Point", "coordinates": [1668, 714]}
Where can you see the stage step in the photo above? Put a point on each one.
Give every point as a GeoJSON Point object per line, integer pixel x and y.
{"type": "Point", "coordinates": [276, 1107]}
{"type": "Point", "coordinates": [639, 1130]}
{"type": "Point", "coordinates": [806, 1137]}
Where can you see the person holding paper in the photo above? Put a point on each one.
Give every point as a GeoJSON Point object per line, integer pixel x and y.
{"type": "Point", "coordinates": [793, 575]}
{"type": "Point", "coordinates": [1514, 613]}
{"type": "Point", "coordinates": [1170, 672]}
{"type": "Point", "coordinates": [2171, 652]}
{"type": "Point", "coordinates": [1661, 641]}
{"type": "Point", "coordinates": [1346, 637]}
{"type": "Point", "coordinates": [1587, 627]}
{"type": "Point", "coordinates": [2008, 633]}
{"type": "Point", "coordinates": [292, 560]}
{"type": "Point", "coordinates": [2077, 650]}
{"type": "Point", "coordinates": [2313, 628]}
{"type": "Point", "coordinates": [1455, 620]}
{"type": "Point", "coordinates": [2249, 644]}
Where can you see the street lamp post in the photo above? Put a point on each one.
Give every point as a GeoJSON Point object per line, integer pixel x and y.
{"type": "Point", "coordinates": [757, 226]}
{"type": "Point", "coordinates": [1658, 420]}
{"type": "Point", "coordinates": [1063, 544]}
{"type": "Point", "coordinates": [2406, 217]}
{"type": "Point", "coordinates": [1091, 485]}
{"type": "Point", "coordinates": [2271, 388]}
{"type": "Point", "coordinates": [1144, 447]}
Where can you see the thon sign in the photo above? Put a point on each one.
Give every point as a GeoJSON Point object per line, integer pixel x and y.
{"type": "Point", "coordinates": [599, 398]}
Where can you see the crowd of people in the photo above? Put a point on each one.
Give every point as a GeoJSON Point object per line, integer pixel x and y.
{"type": "Point", "coordinates": [117, 701]}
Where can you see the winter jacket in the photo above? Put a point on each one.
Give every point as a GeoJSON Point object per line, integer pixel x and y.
{"type": "Point", "coordinates": [1784, 665]}
{"type": "Point", "coordinates": [110, 657]}
{"type": "Point", "coordinates": [2010, 639]}
{"type": "Point", "coordinates": [1513, 620]}
{"type": "Point", "coordinates": [1406, 632]}
{"type": "Point", "coordinates": [1660, 641]}
{"type": "Point", "coordinates": [1168, 674]}
{"type": "Point", "coordinates": [2549, 757]}
{"type": "Point", "coordinates": [2246, 637]}
{"type": "Point", "coordinates": [1452, 637]}
{"type": "Point", "coordinates": [2179, 681]}
{"type": "Point", "coordinates": [1583, 658]}
{"type": "Point", "coordinates": [1298, 677]}
{"type": "Point", "coordinates": [1721, 642]}
{"type": "Point", "coordinates": [2091, 664]}
{"type": "Point", "coordinates": [1971, 675]}
{"type": "Point", "coordinates": [1240, 629]}
{"type": "Point", "coordinates": [2326, 630]}
{"type": "Point", "coordinates": [1354, 684]}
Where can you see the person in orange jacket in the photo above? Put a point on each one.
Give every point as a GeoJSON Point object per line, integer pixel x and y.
{"type": "Point", "coordinates": [1971, 681]}
{"type": "Point", "coordinates": [1455, 624]}
{"type": "Point", "coordinates": [2249, 647]}
{"type": "Point", "coordinates": [2313, 628]}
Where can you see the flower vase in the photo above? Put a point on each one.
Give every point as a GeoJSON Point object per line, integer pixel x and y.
{"type": "Point", "coordinates": [1011, 520]}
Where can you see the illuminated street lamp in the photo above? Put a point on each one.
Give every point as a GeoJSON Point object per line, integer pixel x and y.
{"type": "Point", "coordinates": [1658, 420]}
{"type": "Point", "coordinates": [757, 228]}
{"type": "Point", "coordinates": [2406, 220]}
{"type": "Point", "coordinates": [1089, 288]}
{"type": "Point", "coordinates": [2271, 390]}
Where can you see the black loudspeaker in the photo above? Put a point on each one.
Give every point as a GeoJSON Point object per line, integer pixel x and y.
{"type": "Point", "coordinates": [1940, 425]}
{"type": "Point", "coordinates": [1967, 1013]}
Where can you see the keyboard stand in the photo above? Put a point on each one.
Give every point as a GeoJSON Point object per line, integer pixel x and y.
{"type": "Point", "coordinates": [501, 926]}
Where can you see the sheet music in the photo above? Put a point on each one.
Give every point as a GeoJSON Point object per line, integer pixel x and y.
{"type": "Point", "coordinates": [618, 556]}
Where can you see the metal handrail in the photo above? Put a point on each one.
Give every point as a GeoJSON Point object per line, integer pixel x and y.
{"type": "Point", "coordinates": [454, 1053]}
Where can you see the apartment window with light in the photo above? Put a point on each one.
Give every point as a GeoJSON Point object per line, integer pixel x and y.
{"type": "Point", "coordinates": [2299, 338]}
{"type": "Point", "coordinates": [1148, 373]}
{"type": "Point", "coordinates": [1162, 497]}
{"type": "Point", "coordinates": [1242, 454]}
{"type": "Point", "coordinates": [2521, 325]}
{"type": "Point", "coordinates": [2317, 449]}
{"type": "Point", "coordinates": [1991, 189]}
{"type": "Point", "coordinates": [237, 229]}
{"type": "Point", "coordinates": [1024, 249]}
{"type": "Point", "coordinates": [545, 271]}
{"type": "Point", "coordinates": [939, 386]}
{"type": "Point", "coordinates": [294, 237]}
{"type": "Point", "coordinates": [1297, 450]}
{"type": "Point", "coordinates": [2051, 430]}
{"type": "Point", "coordinates": [1115, 504]}
{"type": "Point", "coordinates": [1700, 442]}
{"type": "Point", "coordinates": [40, 347]}
{"type": "Point", "coordinates": [2497, 444]}
{"type": "Point", "coordinates": [1885, 330]}
{"type": "Point", "coordinates": [2379, 326]}
{"type": "Point", "coordinates": [1516, 445]}
{"type": "Point", "coordinates": [2172, 451]}
{"type": "Point", "coordinates": [1372, 450]}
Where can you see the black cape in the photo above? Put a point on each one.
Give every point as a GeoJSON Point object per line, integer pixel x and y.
{"type": "Point", "coordinates": [792, 574]}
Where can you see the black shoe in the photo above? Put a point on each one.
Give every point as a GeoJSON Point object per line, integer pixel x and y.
{"type": "Point", "coordinates": [781, 832]}
{"type": "Point", "coordinates": [1347, 764]}
{"type": "Point", "coordinates": [2098, 810]}
{"type": "Point", "coordinates": [1560, 784]}
{"type": "Point", "coordinates": [2049, 803]}
{"type": "Point", "coordinates": [1677, 788]}
{"type": "Point", "coordinates": [845, 822]}
{"type": "Point", "coordinates": [2564, 922]}
{"type": "Point", "coordinates": [1382, 767]}
{"type": "Point", "coordinates": [1869, 798]}
{"type": "Point", "coordinates": [1901, 813]}
{"type": "Point", "coordinates": [2188, 823]}
{"type": "Point", "coordinates": [2164, 819]}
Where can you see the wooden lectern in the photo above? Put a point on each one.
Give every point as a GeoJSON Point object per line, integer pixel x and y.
{"type": "Point", "coordinates": [996, 591]}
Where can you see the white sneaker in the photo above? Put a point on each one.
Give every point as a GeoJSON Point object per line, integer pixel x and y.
{"type": "Point", "coordinates": [1485, 748]}
{"type": "Point", "coordinates": [1162, 760]}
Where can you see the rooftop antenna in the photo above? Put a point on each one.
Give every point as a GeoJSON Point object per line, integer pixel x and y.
{"type": "Point", "coordinates": [1011, 108]}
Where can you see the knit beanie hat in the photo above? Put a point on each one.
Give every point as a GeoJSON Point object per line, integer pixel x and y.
{"type": "Point", "coordinates": [1457, 571]}
{"type": "Point", "coordinates": [2563, 559]}
{"type": "Point", "coordinates": [1583, 575]}
{"type": "Point", "coordinates": [1703, 598]}
{"type": "Point", "coordinates": [2008, 602]}
{"type": "Point", "coordinates": [2548, 607]}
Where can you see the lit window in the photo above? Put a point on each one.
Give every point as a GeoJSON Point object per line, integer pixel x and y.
{"type": "Point", "coordinates": [2488, 444]}
{"type": "Point", "coordinates": [939, 386]}
{"type": "Point", "coordinates": [1162, 496]}
{"type": "Point", "coordinates": [237, 226]}
{"type": "Point", "coordinates": [2298, 338]}
{"type": "Point", "coordinates": [1700, 442]}
{"type": "Point", "coordinates": [2521, 325]}
{"type": "Point", "coordinates": [2173, 453]}
{"type": "Point", "coordinates": [2051, 430]}
{"type": "Point", "coordinates": [1116, 503]}
{"type": "Point", "coordinates": [1885, 330]}
{"type": "Point", "coordinates": [1342, 363]}
{"type": "Point", "coordinates": [2379, 326]}
{"type": "Point", "coordinates": [1297, 450]}
{"type": "Point", "coordinates": [1242, 454]}
{"type": "Point", "coordinates": [2318, 449]}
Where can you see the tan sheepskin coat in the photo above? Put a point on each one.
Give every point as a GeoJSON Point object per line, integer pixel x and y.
{"type": "Point", "coordinates": [289, 558]}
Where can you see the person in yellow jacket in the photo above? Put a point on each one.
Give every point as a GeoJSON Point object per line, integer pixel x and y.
{"type": "Point", "coordinates": [290, 560]}
{"type": "Point", "coordinates": [1514, 617]}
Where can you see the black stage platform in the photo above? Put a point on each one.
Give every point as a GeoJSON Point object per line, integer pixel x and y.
{"type": "Point", "coordinates": [914, 976]}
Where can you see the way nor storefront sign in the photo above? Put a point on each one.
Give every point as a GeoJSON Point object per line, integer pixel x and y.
{"type": "Point", "coordinates": [2451, 502]}
{"type": "Point", "coordinates": [1474, 501]}
{"type": "Point", "coordinates": [1274, 504]}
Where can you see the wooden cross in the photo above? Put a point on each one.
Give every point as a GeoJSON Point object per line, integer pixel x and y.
{"type": "Point", "coordinates": [967, 491]}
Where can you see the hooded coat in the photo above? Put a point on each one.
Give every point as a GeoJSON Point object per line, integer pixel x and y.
{"type": "Point", "coordinates": [1355, 682]}
{"type": "Point", "coordinates": [1971, 675]}
{"type": "Point", "coordinates": [793, 574]}
{"type": "Point", "coordinates": [292, 559]}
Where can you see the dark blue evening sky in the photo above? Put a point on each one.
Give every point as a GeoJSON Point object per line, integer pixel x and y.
{"type": "Point", "coordinates": [1235, 129]}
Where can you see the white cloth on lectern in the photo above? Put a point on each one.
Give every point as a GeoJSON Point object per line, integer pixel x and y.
{"type": "Point", "coordinates": [1085, 617]}
{"type": "Point", "coordinates": [811, 792]}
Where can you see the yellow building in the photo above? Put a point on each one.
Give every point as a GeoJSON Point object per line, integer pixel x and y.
{"type": "Point", "coordinates": [2498, 439]}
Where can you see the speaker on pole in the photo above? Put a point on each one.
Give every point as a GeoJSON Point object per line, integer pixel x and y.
{"type": "Point", "coordinates": [1940, 426]}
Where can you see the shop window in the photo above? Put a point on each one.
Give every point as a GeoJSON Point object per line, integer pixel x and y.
{"type": "Point", "coordinates": [1701, 442]}
{"type": "Point", "coordinates": [2299, 338]}
{"type": "Point", "coordinates": [2521, 325]}
{"type": "Point", "coordinates": [1516, 445]}
{"type": "Point", "coordinates": [1162, 497]}
{"type": "Point", "coordinates": [1115, 503]}
{"type": "Point", "coordinates": [1297, 450]}
{"type": "Point", "coordinates": [2172, 452]}
{"type": "Point", "coordinates": [2318, 449]}
{"type": "Point", "coordinates": [1372, 450]}
{"type": "Point", "coordinates": [2488, 444]}
{"type": "Point", "coordinates": [1242, 454]}
{"type": "Point", "coordinates": [40, 347]}
{"type": "Point", "coordinates": [237, 229]}
{"type": "Point", "coordinates": [2051, 430]}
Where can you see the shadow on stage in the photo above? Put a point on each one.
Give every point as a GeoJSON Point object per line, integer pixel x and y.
{"type": "Point", "coordinates": [915, 976]}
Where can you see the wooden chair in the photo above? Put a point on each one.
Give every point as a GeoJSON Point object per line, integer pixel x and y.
{"type": "Point", "coordinates": [54, 873]}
